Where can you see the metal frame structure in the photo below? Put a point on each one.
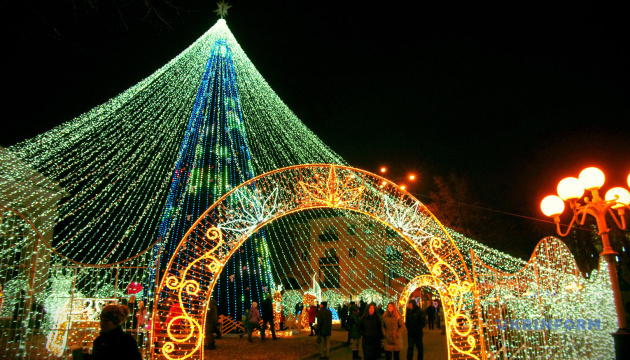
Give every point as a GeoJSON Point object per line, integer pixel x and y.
{"type": "Point", "coordinates": [183, 294]}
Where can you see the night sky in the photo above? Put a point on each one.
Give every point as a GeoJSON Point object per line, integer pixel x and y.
{"type": "Point", "coordinates": [512, 96]}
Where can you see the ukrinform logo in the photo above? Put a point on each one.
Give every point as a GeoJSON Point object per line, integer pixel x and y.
{"type": "Point", "coordinates": [551, 324]}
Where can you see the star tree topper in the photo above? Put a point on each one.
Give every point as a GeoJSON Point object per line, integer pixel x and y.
{"type": "Point", "coordinates": [222, 9]}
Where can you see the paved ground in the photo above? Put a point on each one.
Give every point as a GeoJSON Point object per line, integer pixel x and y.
{"type": "Point", "coordinates": [302, 346]}
{"type": "Point", "coordinates": [434, 346]}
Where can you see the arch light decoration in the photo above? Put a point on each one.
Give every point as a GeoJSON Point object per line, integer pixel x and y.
{"type": "Point", "coordinates": [418, 281]}
{"type": "Point", "coordinates": [183, 294]}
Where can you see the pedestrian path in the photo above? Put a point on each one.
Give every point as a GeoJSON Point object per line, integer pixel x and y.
{"type": "Point", "coordinates": [434, 346]}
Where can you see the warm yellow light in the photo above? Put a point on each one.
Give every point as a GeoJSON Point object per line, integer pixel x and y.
{"type": "Point", "coordinates": [412, 177]}
{"type": "Point", "coordinates": [623, 194]}
{"type": "Point", "coordinates": [403, 187]}
{"type": "Point", "coordinates": [552, 205]}
{"type": "Point", "coordinates": [592, 178]}
{"type": "Point", "coordinates": [574, 286]}
{"type": "Point", "coordinates": [383, 169]}
{"type": "Point", "coordinates": [628, 180]}
{"type": "Point", "coordinates": [384, 183]}
{"type": "Point", "coordinates": [570, 188]}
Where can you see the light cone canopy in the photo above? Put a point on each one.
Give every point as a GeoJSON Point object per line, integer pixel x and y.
{"type": "Point", "coordinates": [113, 170]}
{"type": "Point", "coordinates": [116, 161]}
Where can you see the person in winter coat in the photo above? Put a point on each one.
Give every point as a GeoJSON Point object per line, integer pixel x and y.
{"type": "Point", "coordinates": [344, 314]}
{"type": "Point", "coordinates": [393, 327]}
{"type": "Point", "coordinates": [254, 322]}
{"type": "Point", "coordinates": [440, 317]}
{"type": "Point", "coordinates": [212, 317]}
{"type": "Point", "coordinates": [245, 322]}
{"type": "Point", "coordinates": [113, 342]}
{"type": "Point", "coordinates": [267, 316]}
{"type": "Point", "coordinates": [312, 311]}
{"type": "Point", "coordinates": [370, 327]}
{"type": "Point", "coordinates": [141, 320]}
{"type": "Point", "coordinates": [354, 331]}
{"type": "Point", "coordinates": [416, 319]}
{"type": "Point", "coordinates": [431, 315]}
{"type": "Point", "coordinates": [324, 329]}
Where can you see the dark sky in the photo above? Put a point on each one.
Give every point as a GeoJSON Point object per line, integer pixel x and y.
{"type": "Point", "coordinates": [513, 96]}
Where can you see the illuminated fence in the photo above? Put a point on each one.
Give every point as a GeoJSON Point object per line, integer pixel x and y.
{"type": "Point", "coordinates": [48, 304]}
{"type": "Point", "coordinates": [546, 310]}
{"type": "Point", "coordinates": [63, 314]}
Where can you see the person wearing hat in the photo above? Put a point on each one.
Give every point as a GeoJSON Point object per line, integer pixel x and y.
{"type": "Point", "coordinates": [113, 342]}
{"type": "Point", "coordinates": [324, 329]}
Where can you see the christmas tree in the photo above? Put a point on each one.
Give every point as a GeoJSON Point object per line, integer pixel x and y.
{"type": "Point", "coordinates": [213, 159]}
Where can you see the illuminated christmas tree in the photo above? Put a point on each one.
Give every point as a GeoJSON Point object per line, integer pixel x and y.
{"type": "Point", "coordinates": [213, 159]}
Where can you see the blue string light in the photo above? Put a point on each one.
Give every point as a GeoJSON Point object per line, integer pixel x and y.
{"type": "Point", "coordinates": [214, 157]}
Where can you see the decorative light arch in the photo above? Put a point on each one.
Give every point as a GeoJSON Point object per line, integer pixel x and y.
{"type": "Point", "coordinates": [199, 259]}
{"type": "Point", "coordinates": [418, 281]}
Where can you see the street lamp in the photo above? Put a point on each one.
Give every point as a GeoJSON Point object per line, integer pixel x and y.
{"type": "Point", "coordinates": [411, 177]}
{"type": "Point", "coordinates": [571, 190]}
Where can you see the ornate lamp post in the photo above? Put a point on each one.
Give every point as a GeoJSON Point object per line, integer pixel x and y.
{"type": "Point", "coordinates": [571, 190]}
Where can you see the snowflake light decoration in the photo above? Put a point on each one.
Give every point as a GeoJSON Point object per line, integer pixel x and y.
{"type": "Point", "coordinates": [254, 211]}
{"type": "Point", "coordinates": [405, 219]}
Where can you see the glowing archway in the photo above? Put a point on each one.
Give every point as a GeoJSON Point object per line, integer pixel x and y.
{"type": "Point", "coordinates": [418, 281]}
{"type": "Point", "coordinates": [198, 260]}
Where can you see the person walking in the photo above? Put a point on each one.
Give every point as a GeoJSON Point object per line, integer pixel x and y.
{"type": "Point", "coordinates": [312, 312]}
{"type": "Point", "coordinates": [352, 305]}
{"type": "Point", "coordinates": [416, 319]}
{"type": "Point", "coordinates": [324, 329]}
{"type": "Point", "coordinates": [393, 327]}
{"type": "Point", "coordinates": [113, 342]}
{"type": "Point", "coordinates": [343, 314]}
{"type": "Point", "coordinates": [362, 306]}
{"type": "Point", "coordinates": [254, 322]}
{"type": "Point", "coordinates": [370, 326]}
{"type": "Point", "coordinates": [212, 317]}
{"type": "Point", "coordinates": [440, 313]}
{"type": "Point", "coordinates": [141, 320]}
{"type": "Point", "coordinates": [354, 331]}
{"type": "Point", "coordinates": [431, 316]}
{"type": "Point", "coordinates": [267, 316]}
{"type": "Point", "coordinates": [245, 322]}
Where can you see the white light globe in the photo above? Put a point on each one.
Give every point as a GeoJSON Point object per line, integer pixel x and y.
{"type": "Point", "coordinates": [623, 194]}
{"type": "Point", "coordinates": [628, 180]}
{"type": "Point", "coordinates": [570, 188]}
{"type": "Point", "coordinates": [592, 178]}
{"type": "Point", "coordinates": [552, 205]}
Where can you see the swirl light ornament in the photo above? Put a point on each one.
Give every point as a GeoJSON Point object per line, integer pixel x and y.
{"type": "Point", "coordinates": [190, 278]}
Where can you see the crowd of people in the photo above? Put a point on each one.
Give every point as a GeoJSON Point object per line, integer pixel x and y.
{"type": "Point", "coordinates": [370, 328]}
{"type": "Point", "coordinates": [375, 330]}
